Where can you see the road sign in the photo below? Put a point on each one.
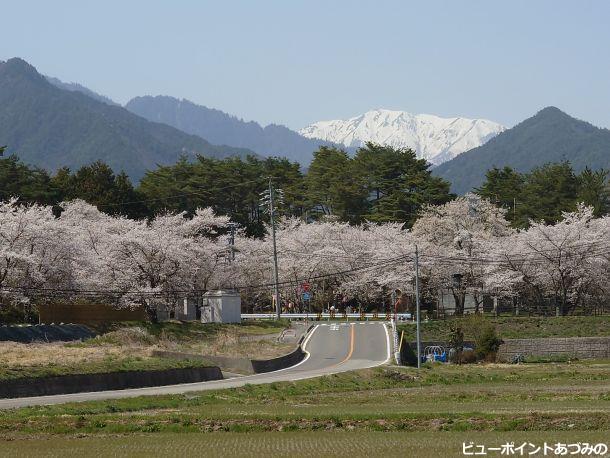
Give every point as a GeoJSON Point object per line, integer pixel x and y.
{"type": "Point", "coordinates": [306, 296]}
{"type": "Point", "coordinates": [305, 286]}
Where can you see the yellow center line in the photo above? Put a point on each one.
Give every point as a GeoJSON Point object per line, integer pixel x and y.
{"type": "Point", "coordinates": [351, 344]}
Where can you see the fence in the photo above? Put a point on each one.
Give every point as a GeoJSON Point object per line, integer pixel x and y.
{"type": "Point", "coordinates": [93, 314]}
{"type": "Point", "coordinates": [328, 316]}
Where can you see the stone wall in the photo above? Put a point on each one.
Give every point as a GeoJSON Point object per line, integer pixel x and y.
{"type": "Point", "coordinates": [549, 347]}
{"type": "Point", "coordinates": [579, 347]}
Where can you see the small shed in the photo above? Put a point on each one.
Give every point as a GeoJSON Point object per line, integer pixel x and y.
{"type": "Point", "coordinates": [186, 309]}
{"type": "Point", "coordinates": [221, 306]}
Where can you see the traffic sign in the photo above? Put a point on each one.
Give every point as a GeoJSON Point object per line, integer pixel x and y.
{"type": "Point", "coordinates": [305, 286]}
{"type": "Point", "coordinates": [306, 296]}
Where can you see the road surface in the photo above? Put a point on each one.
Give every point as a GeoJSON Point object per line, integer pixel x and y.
{"type": "Point", "coordinates": [330, 348]}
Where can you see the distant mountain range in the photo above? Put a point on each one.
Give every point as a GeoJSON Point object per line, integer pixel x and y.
{"type": "Point", "coordinates": [221, 128]}
{"type": "Point", "coordinates": [433, 138]}
{"type": "Point", "coordinates": [80, 88]}
{"type": "Point", "coordinates": [549, 136]}
{"type": "Point", "coordinates": [50, 124]}
{"type": "Point", "coordinates": [52, 127]}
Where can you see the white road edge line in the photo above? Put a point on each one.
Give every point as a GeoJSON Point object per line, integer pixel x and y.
{"type": "Point", "coordinates": [68, 396]}
{"type": "Point", "coordinates": [389, 348]}
{"type": "Point", "coordinates": [389, 345]}
{"type": "Point", "coordinates": [303, 347]}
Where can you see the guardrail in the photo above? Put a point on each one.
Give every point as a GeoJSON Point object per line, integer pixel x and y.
{"type": "Point", "coordinates": [328, 316]}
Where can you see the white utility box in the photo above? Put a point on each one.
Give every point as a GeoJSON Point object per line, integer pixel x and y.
{"type": "Point", "coordinates": [221, 306]}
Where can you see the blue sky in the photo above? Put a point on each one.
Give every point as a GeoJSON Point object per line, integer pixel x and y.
{"type": "Point", "coordinates": [294, 62]}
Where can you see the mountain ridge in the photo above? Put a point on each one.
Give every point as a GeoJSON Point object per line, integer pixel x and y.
{"type": "Point", "coordinates": [433, 138]}
{"type": "Point", "coordinates": [551, 135]}
{"type": "Point", "coordinates": [76, 87]}
{"type": "Point", "coordinates": [51, 127]}
{"type": "Point", "coordinates": [219, 127]}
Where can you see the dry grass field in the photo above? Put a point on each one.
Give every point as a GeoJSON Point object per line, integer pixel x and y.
{"type": "Point", "coordinates": [131, 347]}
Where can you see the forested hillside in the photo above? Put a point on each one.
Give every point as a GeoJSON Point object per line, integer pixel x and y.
{"type": "Point", "coordinates": [546, 192]}
{"type": "Point", "coordinates": [223, 129]}
{"type": "Point", "coordinates": [379, 184]}
{"type": "Point", "coordinates": [50, 128]}
{"type": "Point", "coordinates": [549, 136]}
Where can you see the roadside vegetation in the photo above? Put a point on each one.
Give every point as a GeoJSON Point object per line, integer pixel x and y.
{"type": "Point", "coordinates": [131, 346]}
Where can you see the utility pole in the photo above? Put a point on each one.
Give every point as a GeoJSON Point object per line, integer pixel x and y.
{"type": "Point", "coordinates": [232, 227]}
{"type": "Point", "coordinates": [276, 290]}
{"type": "Point", "coordinates": [417, 306]}
{"type": "Point", "coordinates": [514, 208]}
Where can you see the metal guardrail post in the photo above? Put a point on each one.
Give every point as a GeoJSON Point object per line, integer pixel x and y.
{"type": "Point", "coordinates": [395, 336]}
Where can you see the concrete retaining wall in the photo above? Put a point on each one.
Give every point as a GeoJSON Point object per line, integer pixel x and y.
{"type": "Point", "coordinates": [579, 347]}
{"type": "Point", "coordinates": [229, 364]}
{"type": "Point", "coordinates": [549, 347]}
{"type": "Point", "coordinates": [282, 362]}
{"type": "Point", "coordinates": [242, 365]}
{"type": "Point", "coordinates": [82, 383]}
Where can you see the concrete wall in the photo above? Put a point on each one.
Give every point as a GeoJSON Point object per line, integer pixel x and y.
{"type": "Point", "coordinates": [82, 383]}
{"type": "Point", "coordinates": [227, 363]}
{"type": "Point", "coordinates": [579, 347]}
{"type": "Point", "coordinates": [279, 363]}
{"type": "Point", "coordinates": [243, 365]}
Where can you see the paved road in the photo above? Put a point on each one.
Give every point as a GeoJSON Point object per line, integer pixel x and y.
{"type": "Point", "coordinates": [330, 348]}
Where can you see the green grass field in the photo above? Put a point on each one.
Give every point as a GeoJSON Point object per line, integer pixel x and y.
{"type": "Point", "coordinates": [384, 411]}
{"type": "Point", "coordinates": [288, 444]}
{"type": "Point", "coordinates": [515, 327]}
{"type": "Point", "coordinates": [387, 411]}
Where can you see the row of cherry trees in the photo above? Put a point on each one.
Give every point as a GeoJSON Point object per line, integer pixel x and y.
{"type": "Point", "coordinates": [85, 254]}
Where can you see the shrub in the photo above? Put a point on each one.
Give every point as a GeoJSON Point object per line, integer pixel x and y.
{"type": "Point", "coordinates": [468, 357]}
{"type": "Point", "coordinates": [456, 343]}
{"type": "Point", "coordinates": [487, 343]}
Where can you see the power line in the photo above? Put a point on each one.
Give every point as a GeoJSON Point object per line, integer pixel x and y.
{"type": "Point", "coordinates": [603, 250]}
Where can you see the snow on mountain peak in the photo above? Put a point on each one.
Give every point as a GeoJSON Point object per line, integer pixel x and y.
{"type": "Point", "coordinates": [434, 138]}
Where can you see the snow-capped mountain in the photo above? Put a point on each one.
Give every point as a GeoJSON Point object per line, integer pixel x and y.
{"type": "Point", "coordinates": [433, 138]}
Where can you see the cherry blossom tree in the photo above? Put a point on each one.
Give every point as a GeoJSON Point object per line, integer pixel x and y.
{"type": "Point", "coordinates": [455, 238]}
{"type": "Point", "coordinates": [568, 261]}
{"type": "Point", "coordinates": [34, 250]}
{"type": "Point", "coordinates": [84, 253]}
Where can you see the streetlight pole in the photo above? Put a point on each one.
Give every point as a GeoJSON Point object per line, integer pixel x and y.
{"type": "Point", "coordinates": [276, 291]}
{"type": "Point", "coordinates": [417, 306]}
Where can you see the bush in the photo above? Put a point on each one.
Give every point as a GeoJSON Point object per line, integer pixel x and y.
{"type": "Point", "coordinates": [17, 314]}
{"type": "Point", "coordinates": [468, 357]}
{"type": "Point", "coordinates": [487, 343]}
{"type": "Point", "coordinates": [456, 343]}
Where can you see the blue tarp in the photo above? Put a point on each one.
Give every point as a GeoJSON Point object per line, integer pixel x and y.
{"type": "Point", "coordinates": [45, 333]}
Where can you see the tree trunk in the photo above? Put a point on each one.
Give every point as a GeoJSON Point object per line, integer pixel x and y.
{"type": "Point", "coordinates": [151, 312]}
{"type": "Point", "coordinates": [459, 297]}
